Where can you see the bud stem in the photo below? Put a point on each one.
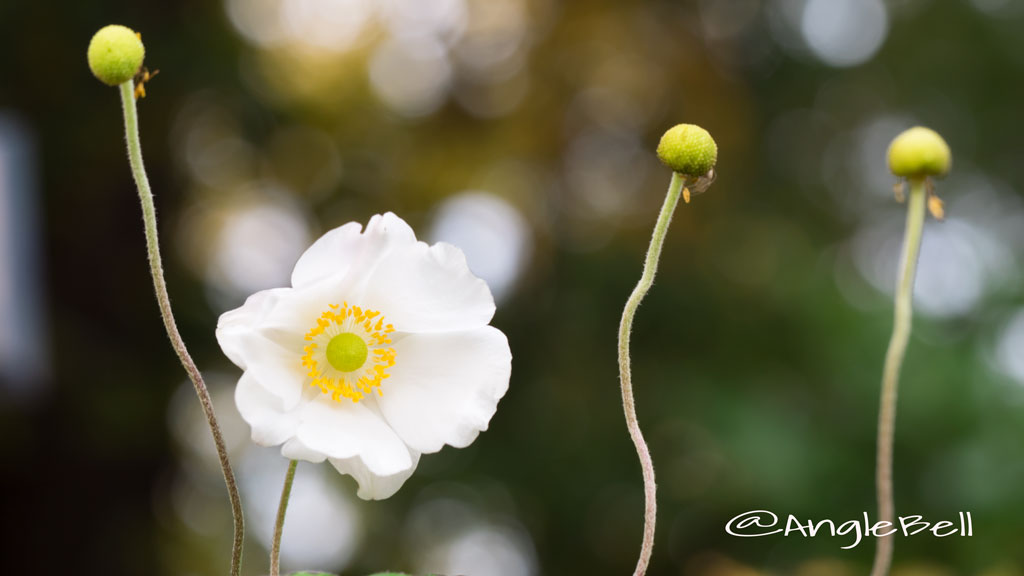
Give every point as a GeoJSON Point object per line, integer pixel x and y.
{"type": "Point", "coordinates": [131, 127]}
{"type": "Point", "coordinates": [625, 379]}
{"type": "Point", "coordinates": [891, 372]}
{"type": "Point", "coordinates": [275, 546]}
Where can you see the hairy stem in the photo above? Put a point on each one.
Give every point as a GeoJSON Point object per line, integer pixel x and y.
{"type": "Point", "coordinates": [625, 379]}
{"type": "Point", "coordinates": [891, 372]}
{"type": "Point", "coordinates": [131, 128]}
{"type": "Point", "coordinates": [275, 546]}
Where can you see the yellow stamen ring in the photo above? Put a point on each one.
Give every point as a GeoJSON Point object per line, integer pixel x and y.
{"type": "Point", "coordinates": [348, 352]}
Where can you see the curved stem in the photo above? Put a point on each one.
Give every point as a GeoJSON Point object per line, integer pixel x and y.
{"type": "Point", "coordinates": [891, 372]}
{"type": "Point", "coordinates": [275, 546]}
{"type": "Point", "coordinates": [131, 128]}
{"type": "Point", "coordinates": [625, 379]}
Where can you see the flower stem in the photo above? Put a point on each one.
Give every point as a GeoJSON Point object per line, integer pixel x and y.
{"type": "Point", "coordinates": [275, 547]}
{"type": "Point", "coordinates": [891, 372]}
{"type": "Point", "coordinates": [625, 379]}
{"type": "Point", "coordinates": [131, 128]}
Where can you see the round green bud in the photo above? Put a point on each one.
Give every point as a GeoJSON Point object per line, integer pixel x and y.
{"type": "Point", "coordinates": [688, 149]}
{"type": "Point", "coordinates": [115, 54]}
{"type": "Point", "coordinates": [919, 152]}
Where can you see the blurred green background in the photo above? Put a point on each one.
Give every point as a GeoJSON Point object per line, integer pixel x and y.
{"type": "Point", "coordinates": [523, 131]}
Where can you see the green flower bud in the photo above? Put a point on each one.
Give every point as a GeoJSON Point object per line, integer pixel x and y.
{"type": "Point", "coordinates": [115, 54]}
{"type": "Point", "coordinates": [918, 153]}
{"type": "Point", "coordinates": [688, 149]}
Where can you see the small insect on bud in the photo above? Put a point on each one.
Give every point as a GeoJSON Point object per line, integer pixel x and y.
{"type": "Point", "coordinates": [115, 54]}
{"type": "Point", "coordinates": [689, 150]}
{"type": "Point", "coordinates": [919, 153]}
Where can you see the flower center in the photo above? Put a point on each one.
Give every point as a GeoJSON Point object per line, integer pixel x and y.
{"type": "Point", "coordinates": [347, 352]}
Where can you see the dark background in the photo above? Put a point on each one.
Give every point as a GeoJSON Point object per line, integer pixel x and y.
{"type": "Point", "coordinates": [524, 131]}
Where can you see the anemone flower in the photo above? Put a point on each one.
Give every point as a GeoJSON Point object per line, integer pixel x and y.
{"type": "Point", "coordinates": [379, 352]}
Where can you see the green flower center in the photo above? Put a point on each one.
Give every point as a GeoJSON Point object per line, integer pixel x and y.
{"type": "Point", "coordinates": [347, 352]}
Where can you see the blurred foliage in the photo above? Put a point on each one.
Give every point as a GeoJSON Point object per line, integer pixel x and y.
{"type": "Point", "coordinates": [757, 356]}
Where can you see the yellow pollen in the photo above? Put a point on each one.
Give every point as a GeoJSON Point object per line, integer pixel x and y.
{"type": "Point", "coordinates": [347, 352]}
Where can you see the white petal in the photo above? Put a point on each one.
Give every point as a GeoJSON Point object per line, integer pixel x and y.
{"type": "Point", "coordinates": [429, 289]}
{"type": "Point", "coordinates": [445, 387]}
{"type": "Point", "coordinates": [388, 227]}
{"type": "Point", "coordinates": [373, 486]}
{"type": "Point", "coordinates": [294, 449]}
{"type": "Point", "coordinates": [344, 248]}
{"type": "Point", "coordinates": [266, 334]}
{"type": "Point", "coordinates": [278, 370]}
{"type": "Point", "coordinates": [264, 412]}
{"type": "Point", "coordinates": [331, 253]}
{"type": "Point", "coordinates": [348, 429]}
{"type": "Point", "coordinates": [296, 312]}
{"type": "Point", "coordinates": [234, 326]}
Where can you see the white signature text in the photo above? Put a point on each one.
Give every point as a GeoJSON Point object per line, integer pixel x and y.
{"type": "Point", "coordinates": [757, 523]}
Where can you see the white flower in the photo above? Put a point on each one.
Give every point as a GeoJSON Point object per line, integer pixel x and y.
{"type": "Point", "coordinates": [379, 352]}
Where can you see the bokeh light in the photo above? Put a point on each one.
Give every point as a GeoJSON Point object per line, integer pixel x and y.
{"type": "Point", "coordinates": [324, 526]}
{"type": "Point", "coordinates": [450, 535]}
{"type": "Point", "coordinates": [256, 248]}
{"type": "Point", "coordinates": [324, 529]}
{"type": "Point", "coordinates": [492, 233]}
{"type": "Point", "coordinates": [963, 259]}
{"type": "Point", "coordinates": [844, 32]}
{"type": "Point", "coordinates": [1010, 347]}
{"type": "Point", "coordinates": [411, 76]}
{"type": "Point", "coordinates": [332, 25]}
